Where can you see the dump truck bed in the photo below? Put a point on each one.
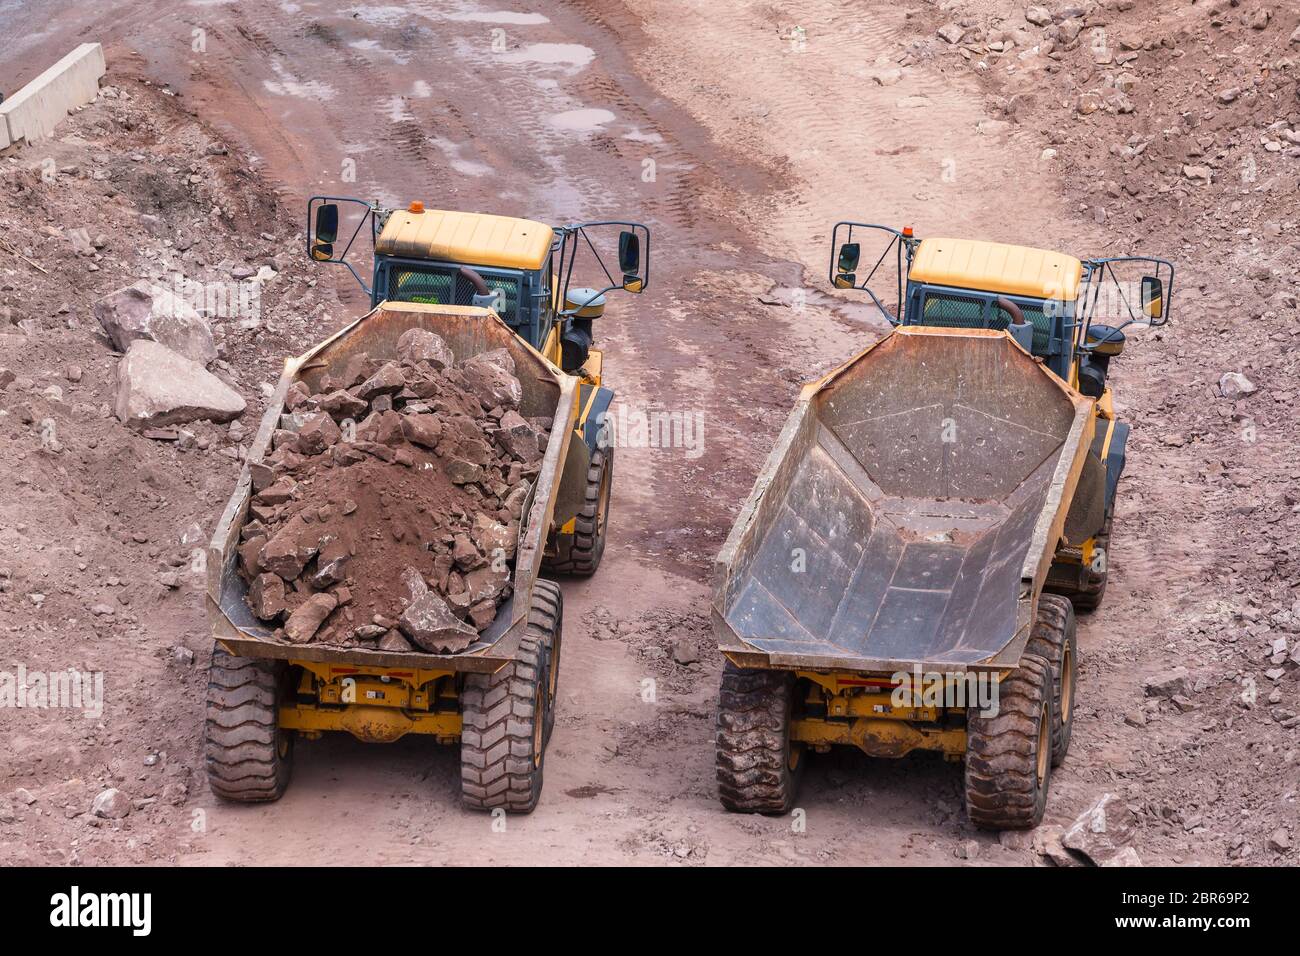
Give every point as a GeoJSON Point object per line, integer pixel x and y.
{"type": "Point", "coordinates": [468, 331]}
{"type": "Point", "coordinates": [908, 513]}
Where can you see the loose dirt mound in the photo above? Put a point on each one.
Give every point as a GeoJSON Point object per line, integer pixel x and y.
{"type": "Point", "coordinates": [388, 511]}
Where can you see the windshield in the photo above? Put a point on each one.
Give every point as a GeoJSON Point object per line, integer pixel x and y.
{"type": "Point", "coordinates": [442, 284]}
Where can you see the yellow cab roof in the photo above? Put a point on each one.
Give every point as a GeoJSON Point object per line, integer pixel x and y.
{"type": "Point", "coordinates": [997, 267]}
{"type": "Point", "coordinates": [471, 238]}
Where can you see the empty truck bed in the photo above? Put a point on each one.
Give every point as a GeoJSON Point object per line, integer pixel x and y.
{"type": "Point", "coordinates": [909, 511]}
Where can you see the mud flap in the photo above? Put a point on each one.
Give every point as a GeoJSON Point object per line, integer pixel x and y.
{"type": "Point", "coordinates": [593, 405]}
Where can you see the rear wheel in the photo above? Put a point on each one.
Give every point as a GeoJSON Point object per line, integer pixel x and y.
{"type": "Point", "coordinates": [1053, 639]}
{"type": "Point", "coordinates": [579, 554]}
{"type": "Point", "coordinates": [506, 716]}
{"type": "Point", "coordinates": [249, 757]}
{"type": "Point", "coordinates": [1009, 755]}
{"type": "Point", "coordinates": [759, 766]}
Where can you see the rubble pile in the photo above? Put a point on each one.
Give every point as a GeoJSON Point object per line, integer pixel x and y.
{"type": "Point", "coordinates": [387, 512]}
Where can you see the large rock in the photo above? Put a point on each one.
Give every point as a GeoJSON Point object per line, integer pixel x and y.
{"type": "Point", "coordinates": [157, 386]}
{"type": "Point", "coordinates": [306, 621]}
{"type": "Point", "coordinates": [487, 377]}
{"type": "Point", "coordinates": [1102, 831]}
{"type": "Point", "coordinates": [144, 311]}
{"type": "Point", "coordinates": [432, 625]}
{"type": "Point", "coordinates": [421, 345]}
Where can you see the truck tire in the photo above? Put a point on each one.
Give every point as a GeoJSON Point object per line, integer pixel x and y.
{"type": "Point", "coordinates": [1009, 756]}
{"type": "Point", "coordinates": [504, 717]}
{"type": "Point", "coordinates": [547, 613]}
{"type": "Point", "coordinates": [759, 767]}
{"type": "Point", "coordinates": [578, 555]}
{"type": "Point", "coordinates": [1053, 639]}
{"type": "Point", "coordinates": [249, 758]}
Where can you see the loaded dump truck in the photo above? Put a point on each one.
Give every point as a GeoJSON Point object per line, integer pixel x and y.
{"type": "Point", "coordinates": [906, 571]}
{"type": "Point", "coordinates": [485, 286]}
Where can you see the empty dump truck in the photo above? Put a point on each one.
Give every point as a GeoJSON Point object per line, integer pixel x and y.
{"type": "Point", "coordinates": [884, 585]}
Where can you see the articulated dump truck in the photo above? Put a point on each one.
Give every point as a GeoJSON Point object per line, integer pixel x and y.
{"type": "Point", "coordinates": [482, 284]}
{"type": "Point", "coordinates": [886, 584]}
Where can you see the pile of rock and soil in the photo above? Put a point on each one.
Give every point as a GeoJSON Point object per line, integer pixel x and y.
{"type": "Point", "coordinates": [387, 513]}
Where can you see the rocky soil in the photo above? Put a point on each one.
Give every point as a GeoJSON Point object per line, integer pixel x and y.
{"type": "Point", "coordinates": [110, 500]}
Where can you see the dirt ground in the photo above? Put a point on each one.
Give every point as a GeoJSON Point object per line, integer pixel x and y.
{"type": "Point", "coordinates": [740, 133]}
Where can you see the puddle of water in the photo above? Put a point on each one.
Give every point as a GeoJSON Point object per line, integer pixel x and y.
{"type": "Point", "coordinates": [637, 136]}
{"type": "Point", "coordinates": [373, 46]}
{"type": "Point", "coordinates": [500, 16]}
{"type": "Point", "coordinates": [466, 167]}
{"type": "Point", "coordinates": [288, 84]}
{"type": "Point", "coordinates": [582, 121]}
{"type": "Point", "coordinates": [551, 54]}
{"type": "Point", "coordinates": [377, 16]}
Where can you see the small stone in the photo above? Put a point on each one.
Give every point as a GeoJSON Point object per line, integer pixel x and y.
{"type": "Point", "coordinates": [1234, 385]}
{"type": "Point", "coordinates": [1038, 16]}
{"type": "Point", "coordinates": [951, 33]}
{"type": "Point", "coordinates": [111, 804]}
{"type": "Point", "coordinates": [1168, 684]}
{"type": "Point", "coordinates": [684, 652]}
{"type": "Point", "coordinates": [393, 641]}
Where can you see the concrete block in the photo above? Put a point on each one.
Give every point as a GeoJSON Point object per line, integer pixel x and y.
{"type": "Point", "coordinates": [4, 134]}
{"type": "Point", "coordinates": [34, 111]}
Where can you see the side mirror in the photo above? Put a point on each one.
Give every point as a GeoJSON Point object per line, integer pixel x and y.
{"type": "Point", "coordinates": [327, 222]}
{"type": "Point", "coordinates": [850, 252]}
{"type": "Point", "coordinates": [846, 280]}
{"type": "Point", "coordinates": [326, 231]}
{"type": "Point", "coordinates": [629, 254]}
{"type": "Point", "coordinates": [1153, 293]}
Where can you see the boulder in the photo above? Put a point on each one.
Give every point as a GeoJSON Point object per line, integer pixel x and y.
{"type": "Point", "coordinates": [317, 434]}
{"type": "Point", "coordinates": [423, 430]}
{"type": "Point", "coordinates": [389, 380]}
{"type": "Point", "coordinates": [343, 405]}
{"type": "Point", "coordinates": [1101, 831]}
{"type": "Point", "coordinates": [421, 345]}
{"type": "Point", "coordinates": [266, 596]}
{"type": "Point", "coordinates": [157, 386]}
{"type": "Point", "coordinates": [310, 615]}
{"type": "Point", "coordinates": [290, 548]}
{"type": "Point", "coordinates": [144, 311]}
{"type": "Point", "coordinates": [430, 623]}
{"type": "Point", "coordinates": [487, 377]}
